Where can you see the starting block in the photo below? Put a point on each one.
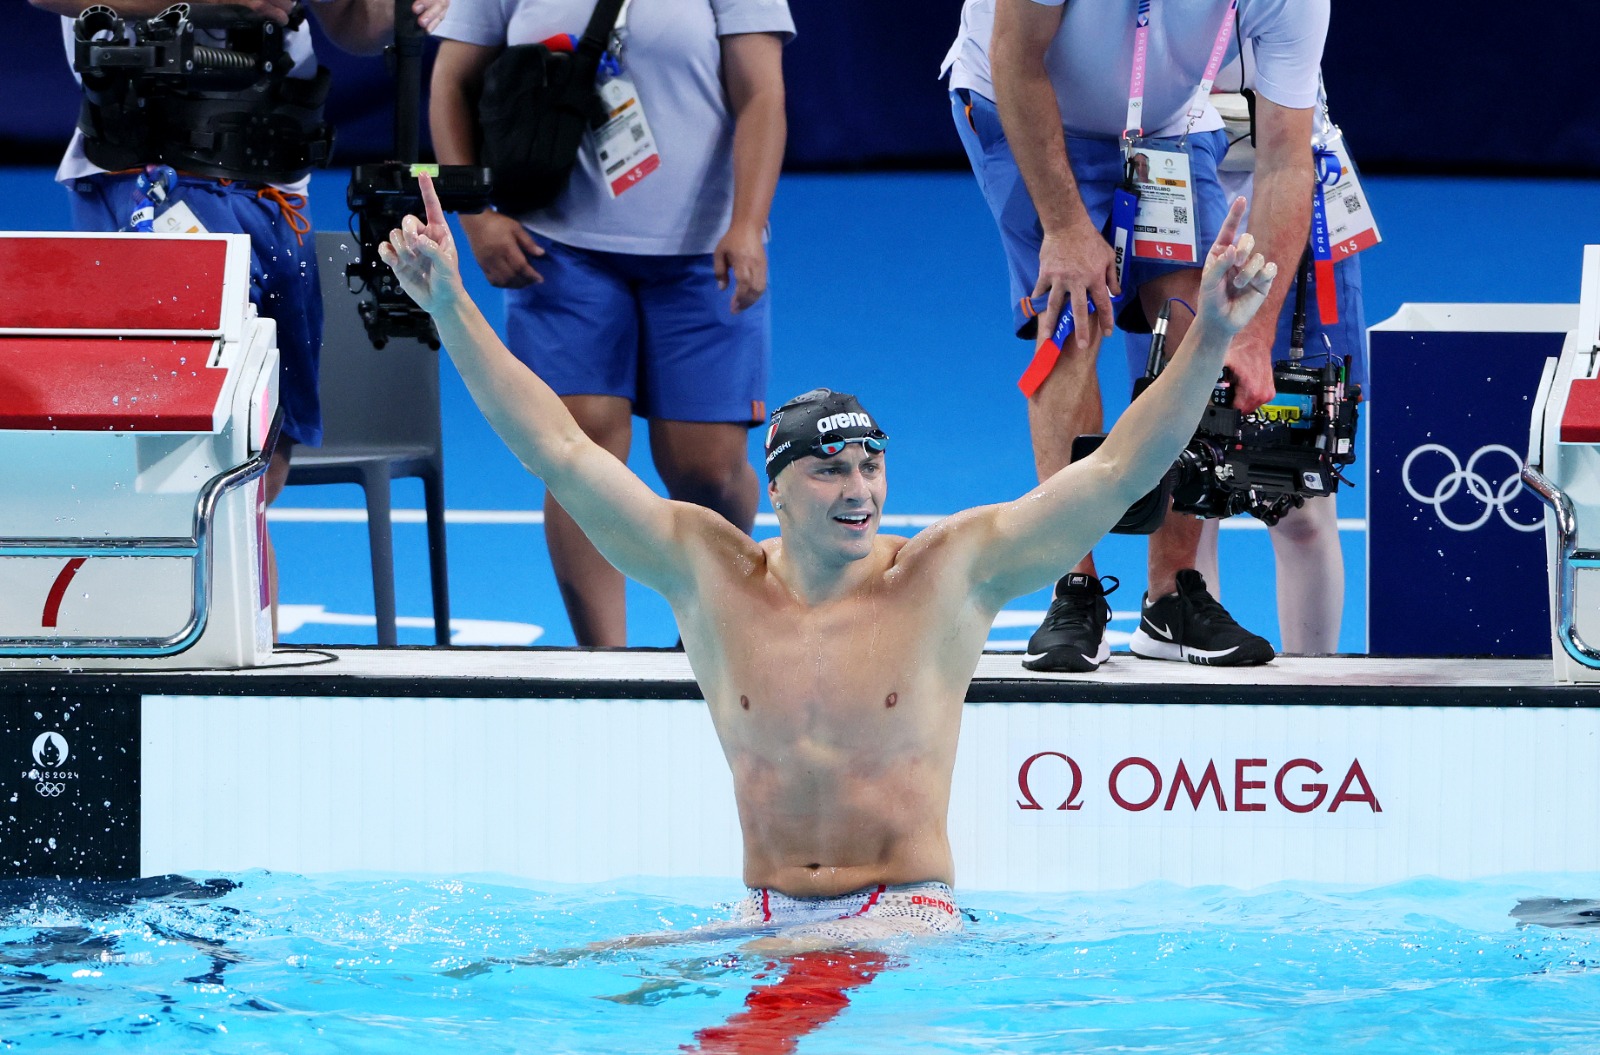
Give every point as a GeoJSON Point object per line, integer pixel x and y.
{"type": "Point", "coordinates": [138, 409]}
{"type": "Point", "coordinates": [1563, 468]}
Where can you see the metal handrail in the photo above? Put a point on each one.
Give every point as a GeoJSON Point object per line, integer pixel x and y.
{"type": "Point", "coordinates": [1570, 560]}
{"type": "Point", "coordinates": [199, 546]}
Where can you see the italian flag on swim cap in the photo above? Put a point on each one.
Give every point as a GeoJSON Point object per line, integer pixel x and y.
{"type": "Point", "coordinates": [799, 423]}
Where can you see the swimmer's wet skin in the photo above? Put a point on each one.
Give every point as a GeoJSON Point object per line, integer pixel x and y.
{"type": "Point", "coordinates": [835, 660]}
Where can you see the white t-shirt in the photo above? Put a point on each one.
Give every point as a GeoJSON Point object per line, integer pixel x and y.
{"type": "Point", "coordinates": [1237, 75]}
{"type": "Point", "coordinates": [674, 56]}
{"type": "Point", "coordinates": [76, 163]}
{"type": "Point", "coordinates": [1090, 61]}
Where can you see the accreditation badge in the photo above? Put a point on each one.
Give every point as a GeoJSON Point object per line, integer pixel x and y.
{"type": "Point", "coordinates": [179, 219]}
{"type": "Point", "coordinates": [1351, 226]}
{"type": "Point", "coordinates": [623, 142]}
{"type": "Point", "coordinates": [1163, 228]}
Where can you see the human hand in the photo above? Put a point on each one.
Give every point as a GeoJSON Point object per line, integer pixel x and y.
{"type": "Point", "coordinates": [1236, 278]}
{"type": "Point", "coordinates": [1250, 361]}
{"type": "Point", "coordinates": [1075, 268]}
{"type": "Point", "coordinates": [423, 256]}
{"type": "Point", "coordinates": [502, 247]}
{"type": "Point", "coordinates": [741, 256]}
{"type": "Point", "coordinates": [430, 13]}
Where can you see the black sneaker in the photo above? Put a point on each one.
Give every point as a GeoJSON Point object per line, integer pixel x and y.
{"type": "Point", "coordinates": [1073, 635]}
{"type": "Point", "coordinates": [1191, 624]}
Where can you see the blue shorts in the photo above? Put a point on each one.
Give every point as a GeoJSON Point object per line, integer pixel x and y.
{"type": "Point", "coordinates": [283, 273]}
{"type": "Point", "coordinates": [1097, 166]}
{"type": "Point", "coordinates": [1346, 339]}
{"type": "Point", "coordinates": [654, 330]}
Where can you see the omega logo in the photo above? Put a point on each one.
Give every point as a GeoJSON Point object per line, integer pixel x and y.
{"type": "Point", "coordinates": [1135, 784]}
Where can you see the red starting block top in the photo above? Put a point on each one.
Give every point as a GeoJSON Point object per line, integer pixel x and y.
{"type": "Point", "coordinates": [1580, 423]}
{"type": "Point", "coordinates": [122, 283]}
{"type": "Point", "coordinates": [109, 384]}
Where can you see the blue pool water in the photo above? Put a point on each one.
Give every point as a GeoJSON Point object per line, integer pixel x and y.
{"type": "Point", "coordinates": [385, 964]}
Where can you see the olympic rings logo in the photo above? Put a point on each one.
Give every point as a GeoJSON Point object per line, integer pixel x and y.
{"type": "Point", "coordinates": [48, 789]}
{"type": "Point", "coordinates": [1495, 499]}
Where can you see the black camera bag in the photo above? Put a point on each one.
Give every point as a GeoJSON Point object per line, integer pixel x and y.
{"type": "Point", "coordinates": [535, 106]}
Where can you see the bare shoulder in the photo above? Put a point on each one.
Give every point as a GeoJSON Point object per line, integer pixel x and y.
{"type": "Point", "coordinates": [951, 539]}
{"type": "Point", "coordinates": [710, 538]}
{"type": "Point", "coordinates": [949, 549]}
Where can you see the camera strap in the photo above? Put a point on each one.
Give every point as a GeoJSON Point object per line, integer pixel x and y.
{"type": "Point", "coordinates": [597, 34]}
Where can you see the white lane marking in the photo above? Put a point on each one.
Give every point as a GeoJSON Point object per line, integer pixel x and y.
{"type": "Point", "coordinates": [294, 515]}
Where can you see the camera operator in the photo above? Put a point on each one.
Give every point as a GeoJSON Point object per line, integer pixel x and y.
{"type": "Point", "coordinates": [1307, 554]}
{"type": "Point", "coordinates": [639, 296]}
{"type": "Point", "coordinates": [1053, 122]}
{"type": "Point", "coordinates": [120, 180]}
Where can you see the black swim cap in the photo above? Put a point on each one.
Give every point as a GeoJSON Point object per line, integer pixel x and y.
{"type": "Point", "coordinates": [798, 424]}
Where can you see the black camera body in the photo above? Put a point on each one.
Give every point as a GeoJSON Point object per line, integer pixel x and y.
{"type": "Point", "coordinates": [380, 196]}
{"type": "Point", "coordinates": [1263, 463]}
{"type": "Point", "coordinates": [236, 50]}
{"type": "Point", "coordinates": [202, 88]}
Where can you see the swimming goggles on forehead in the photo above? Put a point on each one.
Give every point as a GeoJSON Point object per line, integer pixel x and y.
{"type": "Point", "coordinates": [831, 443]}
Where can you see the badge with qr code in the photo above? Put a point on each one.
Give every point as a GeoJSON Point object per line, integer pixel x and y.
{"type": "Point", "coordinates": [624, 145]}
{"type": "Point", "coordinates": [179, 219]}
{"type": "Point", "coordinates": [1351, 227]}
{"type": "Point", "coordinates": [1163, 228]}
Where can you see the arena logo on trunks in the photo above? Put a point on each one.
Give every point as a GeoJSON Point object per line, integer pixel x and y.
{"type": "Point", "coordinates": [1135, 784]}
{"type": "Point", "coordinates": [852, 420]}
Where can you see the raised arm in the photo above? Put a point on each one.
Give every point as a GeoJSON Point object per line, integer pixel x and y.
{"type": "Point", "coordinates": [639, 532]}
{"type": "Point", "coordinates": [1020, 546]}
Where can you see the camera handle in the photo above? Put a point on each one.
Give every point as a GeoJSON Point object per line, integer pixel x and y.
{"type": "Point", "coordinates": [380, 195]}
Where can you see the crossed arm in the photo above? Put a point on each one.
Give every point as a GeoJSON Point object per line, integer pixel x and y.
{"type": "Point", "coordinates": [1017, 547]}
{"type": "Point", "coordinates": [645, 536]}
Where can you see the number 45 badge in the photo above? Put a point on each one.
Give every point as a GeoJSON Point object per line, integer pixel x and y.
{"type": "Point", "coordinates": [623, 142]}
{"type": "Point", "coordinates": [1163, 227]}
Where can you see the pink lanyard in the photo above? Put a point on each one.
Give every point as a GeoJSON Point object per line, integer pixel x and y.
{"type": "Point", "coordinates": [1134, 127]}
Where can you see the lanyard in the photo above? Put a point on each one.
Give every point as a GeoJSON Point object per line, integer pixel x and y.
{"type": "Point", "coordinates": [1133, 126]}
{"type": "Point", "coordinates": [1328, 172]}
{"type": "Point", "coordinates": [619, 30]}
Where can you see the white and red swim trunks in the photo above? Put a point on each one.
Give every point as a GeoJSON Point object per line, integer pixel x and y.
{"type": "Point", "coordinates": [882, 911]}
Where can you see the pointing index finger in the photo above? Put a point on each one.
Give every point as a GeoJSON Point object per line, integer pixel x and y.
{"type": "Point", "coordinates": [1230, 225]}
{"type": "Point", "coordinates": [430, 200]}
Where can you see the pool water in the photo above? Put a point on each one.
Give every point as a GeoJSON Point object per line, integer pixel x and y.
{"type": "Point", "coordinates": [265, 962]}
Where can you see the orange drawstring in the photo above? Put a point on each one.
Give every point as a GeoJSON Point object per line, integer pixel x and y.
{"type": "Point", "coordinates": [291, 206]}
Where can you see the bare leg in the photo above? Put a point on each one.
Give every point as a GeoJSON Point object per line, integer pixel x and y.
{"type": "Point", "coordinates": [1175, 544]}
{"type": "Point", "coordinates": [1067, 405]}
{"type": "Point", "coordinates": [277, 475]}
{"type": "Point", "coordinates": [1205, 558]}
{"type": "Point", "coordinates": [708, 463]}
{"type": "Point", "coordinates": [591, 588]}
{"type": "Point", "coordinates": [1310, 564]}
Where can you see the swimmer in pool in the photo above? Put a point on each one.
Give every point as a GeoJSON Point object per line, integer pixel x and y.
{"type": "Point", "coordinates": [834, 659]}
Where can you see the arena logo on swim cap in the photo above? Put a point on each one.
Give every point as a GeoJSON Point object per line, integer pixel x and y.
{"type": "Point", "coordinates": [850, 420]}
